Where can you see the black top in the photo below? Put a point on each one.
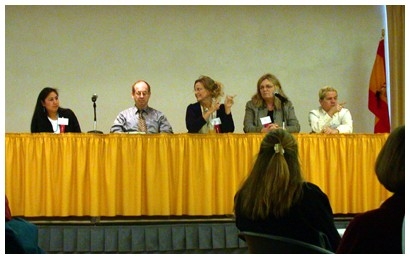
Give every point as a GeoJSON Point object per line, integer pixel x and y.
{"type": "Point", "coordinates": [194, 120]}
{"type": "Point", "coordinates": [310, 220]}
{"type": "Point", "coordinates": [43, 124]}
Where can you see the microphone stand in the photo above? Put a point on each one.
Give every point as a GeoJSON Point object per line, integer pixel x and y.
{"type": "Point", "coordinates": [95, 121]}
{"type": "Point", "coordinates": [283, 115]}
{"type": "Point", "coordinates": [282, 105]}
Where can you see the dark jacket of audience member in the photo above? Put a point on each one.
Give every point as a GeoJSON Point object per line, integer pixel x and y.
{"type": "Point", "coordinates": [379, 231]}
{"type": "Point", "coordinates": [21, 236]}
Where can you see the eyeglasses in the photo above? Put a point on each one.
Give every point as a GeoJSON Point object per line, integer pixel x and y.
{"type": "Point", "coordinates": [261, 87]}
{"type": "Point", "coordinates": [141, 93]}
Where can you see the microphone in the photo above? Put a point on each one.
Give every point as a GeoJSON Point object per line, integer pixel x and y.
{"type": "Point", "coordinates": [281, 98]}
{"type": "Point", "coordinates": [94, 98]}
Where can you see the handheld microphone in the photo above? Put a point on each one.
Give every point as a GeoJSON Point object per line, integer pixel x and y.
{"type": "Point", "coordinates": [94, 97]}
{"type": "Point", "coordinates": [281, 98]}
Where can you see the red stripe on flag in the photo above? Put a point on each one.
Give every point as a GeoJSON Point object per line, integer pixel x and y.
{"type": "Point", "coordinates": [377, 93]}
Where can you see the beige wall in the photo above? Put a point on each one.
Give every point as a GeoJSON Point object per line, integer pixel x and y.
{"type": "Point", "coordinates": [83, 50]}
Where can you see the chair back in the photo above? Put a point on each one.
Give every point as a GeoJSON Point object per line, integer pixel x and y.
{"type": "Point", "coordinates": [259, 243]}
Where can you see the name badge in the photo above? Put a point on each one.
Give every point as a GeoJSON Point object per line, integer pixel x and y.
{"type": "Point", "coordinates": [62, 121]}
{"type": "Point", "coordinates": [216, 121]}
{"type": "Point", "coordinates": [266, 120]}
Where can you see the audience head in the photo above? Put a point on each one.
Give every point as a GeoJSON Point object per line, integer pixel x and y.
{"type": "Point", "coordinates": [266, 87]}
{"type": "Point", "coordinates": [206, 87]}
{"type": "Point", "coordinates": [327, 97]}
{"type": "Point", "coordinates": [389, 164]}
{"type": "Point", "coordinates": [47, 101]}
{"type": "Point", "coordinates": [275, 181]}
{"type": "Point", "coordinates": [141, 92]}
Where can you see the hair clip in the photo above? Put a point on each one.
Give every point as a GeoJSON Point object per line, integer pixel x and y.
{"type": "Point", "coordinates": [279, 149]}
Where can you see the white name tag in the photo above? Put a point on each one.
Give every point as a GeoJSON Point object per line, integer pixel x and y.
{"type": "Point", "coordinates": [216, 121]}
{"type": "Point", "coordinates": [266, 120]}
{"type": "Point", "coordinates": [62, 121]}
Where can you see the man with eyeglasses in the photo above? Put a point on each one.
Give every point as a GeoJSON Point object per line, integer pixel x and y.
{"type": "Point", "coordinates": [141, 118]}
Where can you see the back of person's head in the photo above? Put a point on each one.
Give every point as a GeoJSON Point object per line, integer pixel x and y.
{"type": "Point", "coordinates": [324, 90]}
{"type": "Point", "coordinates": [389, 164]}
{"type": "Point", "coordinates": [275, 182]}
{"type": "Point", "coordinates": [214, 87]}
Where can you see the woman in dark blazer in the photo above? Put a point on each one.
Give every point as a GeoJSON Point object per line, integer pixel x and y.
{"type": "Point", "coordinates": [48, 115]}
{"type": "Point", "coordinates": [201, 116]}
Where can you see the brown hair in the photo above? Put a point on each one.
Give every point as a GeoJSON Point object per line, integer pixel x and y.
{"type": "Point", "coordinates": [389, 164]}
{"type": "Point", "coordinates": [214, 87]}
{"type": "Point", "coordinates": [275, 182]}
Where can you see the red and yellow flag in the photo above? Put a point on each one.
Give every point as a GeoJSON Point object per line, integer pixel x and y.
{"type": "Point", "coordinates": [378, 94]}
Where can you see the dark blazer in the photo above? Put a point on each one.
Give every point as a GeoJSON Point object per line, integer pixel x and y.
{"type": "Point", "coordinates": [43, 124]}
{"type": "Point", "coordinates": [194, 120]}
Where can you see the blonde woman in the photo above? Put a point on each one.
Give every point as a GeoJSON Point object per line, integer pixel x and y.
{"type": "Point", "coordinates": [269, 108]}
{"type": "Point", "coordinates": [202, 116]}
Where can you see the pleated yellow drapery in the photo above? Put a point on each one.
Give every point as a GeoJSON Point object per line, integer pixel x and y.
{"type": "Point", "coordinates": [79, 174]}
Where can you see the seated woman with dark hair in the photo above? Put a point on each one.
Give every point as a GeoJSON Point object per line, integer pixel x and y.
{"type": "Point", "coordinates": [48, 116]}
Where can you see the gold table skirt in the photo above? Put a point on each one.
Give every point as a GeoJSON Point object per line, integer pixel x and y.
{"type": "Point", "coordinates": [84, 174]}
